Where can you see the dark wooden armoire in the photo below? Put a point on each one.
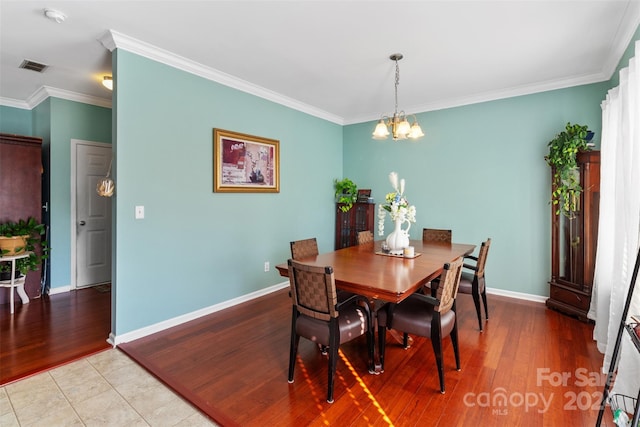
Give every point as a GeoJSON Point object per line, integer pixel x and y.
{"type": "Point", "coordinates": [21, 191]}
{"type": "Point", "coordinates": [573, 244]}
{"type": "Point", "coordinates": [359, 218]}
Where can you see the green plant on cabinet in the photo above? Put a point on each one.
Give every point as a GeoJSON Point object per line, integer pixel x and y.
{"type": "Point", "coordinates": [563, 150]}
{"type": "Point", "coordinates": [346, 193]}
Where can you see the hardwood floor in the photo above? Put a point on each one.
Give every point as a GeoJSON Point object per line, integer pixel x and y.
{"type": "Point", "coordinates": [531, 367]}
{"type": "Point", "coordinates": [52, 330]}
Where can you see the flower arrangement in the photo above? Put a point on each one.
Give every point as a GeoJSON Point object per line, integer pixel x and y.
{"type": "Point", "coordinates": [396, 204]}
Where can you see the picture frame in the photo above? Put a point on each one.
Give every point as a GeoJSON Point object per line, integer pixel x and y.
{"type": "Point", "coordinates": [245, 163]}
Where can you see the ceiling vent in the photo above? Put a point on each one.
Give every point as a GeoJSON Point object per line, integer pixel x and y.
{"type": "Point", "coordinates": [33, 66]}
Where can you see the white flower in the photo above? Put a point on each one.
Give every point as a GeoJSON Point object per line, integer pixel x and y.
{"type": "Point", "coordinates": [396, 204]}
{"type": "Point", "coordinates": [393, 178]}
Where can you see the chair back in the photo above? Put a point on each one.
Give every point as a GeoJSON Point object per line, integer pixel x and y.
{"type": "Point", "coordinates": [313, 289]}
{"type": "Point", "coordinates": [436, 235]}
{"type": "Point", "coordinates": [304, 248]}
{"type": "Point", "coordinates": [365, 236]}
{"type": "Point", "coordinates": [482, 257]}
{"type": "Point", "coordinates": [448, 287]}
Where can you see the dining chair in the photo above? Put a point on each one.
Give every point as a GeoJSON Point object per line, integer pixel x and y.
{"type": "Point", "coordinates": [428, 316]}
{"type": "Point", "coordinates": [304, 248]}
{"type": "Point", "coordinates": [436, 235]}
{"type": "Point", "coordinates": [319, 317]}
{"type": "Point", "coordinates": [365, 236]}
{"type": "Point", "coordinates": [472, 281]}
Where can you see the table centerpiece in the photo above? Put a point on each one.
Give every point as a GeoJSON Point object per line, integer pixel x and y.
{"type": "Point", "coordinates": [400, 212]}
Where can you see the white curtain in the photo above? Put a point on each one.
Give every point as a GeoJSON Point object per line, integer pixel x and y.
{"type": "Point", "coordinates": [619, 225]}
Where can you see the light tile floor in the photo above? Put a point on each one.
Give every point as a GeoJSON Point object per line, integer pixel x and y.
{"type": "Point", "coordinates": [105, 389]}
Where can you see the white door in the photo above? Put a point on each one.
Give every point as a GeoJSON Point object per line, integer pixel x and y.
{"type": "Point", "coordinates": [92, 215]}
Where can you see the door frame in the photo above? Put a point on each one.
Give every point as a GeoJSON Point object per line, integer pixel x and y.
{"type": "Point", "coordinates": [73, 216]}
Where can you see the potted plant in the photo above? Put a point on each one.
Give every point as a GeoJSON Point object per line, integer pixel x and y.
{"type": "Point", "coordinates": [18, 237]}
{"type": "Point", "coordinates": [346, 193]}
{"type": "Point", "coordinates": [563, 150]}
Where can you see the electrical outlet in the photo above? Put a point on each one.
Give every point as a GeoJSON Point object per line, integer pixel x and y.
{"type": "Point", "coordinates": [266, 266]}
{"type": "Point", "coordinates": [139, 212]}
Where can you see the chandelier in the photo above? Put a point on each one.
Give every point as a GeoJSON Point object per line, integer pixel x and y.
{"type": "Point", "coordinates": [400, 126]}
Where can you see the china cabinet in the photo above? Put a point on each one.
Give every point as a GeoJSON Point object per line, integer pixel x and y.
{"type": "Point", "coordinates": [359, 218]}
{"type": "Point", "coordinates": [573, 243]}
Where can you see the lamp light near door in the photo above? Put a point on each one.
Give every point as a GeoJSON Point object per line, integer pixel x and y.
{"type": "Point", "coordinates": [106, 186]}
{"type": "Point", "coordinates": [107, 81]}
{"type": "Point", "coordinates": [400, 126]}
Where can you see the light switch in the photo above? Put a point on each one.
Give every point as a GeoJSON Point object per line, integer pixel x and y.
{"type": "Point", "coordinates": [139, 212]}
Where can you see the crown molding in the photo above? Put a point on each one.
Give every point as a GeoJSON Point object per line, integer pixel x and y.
{"type": "Point", "coordinates": [492, 96]}
{"type": "Point", "coordinates": [45, 92]}
{"type": "Point", "coordinates": [15, 103]}
{"type": "Point", "coordinates": [115, 40]}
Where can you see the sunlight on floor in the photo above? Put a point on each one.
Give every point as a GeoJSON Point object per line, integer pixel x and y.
{"type": "Point", "coordinates": [319, 402]}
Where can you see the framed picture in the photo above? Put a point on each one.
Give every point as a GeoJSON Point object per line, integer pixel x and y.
{"type": "Point", "coordinates": [245, 163]}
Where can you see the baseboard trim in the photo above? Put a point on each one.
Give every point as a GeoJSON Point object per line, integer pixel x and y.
{"type": "Point", "coordinates": [516, 295]}
{"type": "Point", "coordinates": [166, 324]}
{"type": "Point", "coordinates": [59, 290]}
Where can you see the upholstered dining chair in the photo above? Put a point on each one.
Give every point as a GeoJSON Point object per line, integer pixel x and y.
{"type": "Point", "coordinates": [318, 316]}
{"type": "Point", "coordinates": [304, 248]}
{"type": "Point", "coordinates": [472, 280]}
{"type": "Point", "coordinates": [426, 316]}
{"type": "Point", "coordinates": [365, 236]}
{"type": "Point", "coordinates": [436, 235]}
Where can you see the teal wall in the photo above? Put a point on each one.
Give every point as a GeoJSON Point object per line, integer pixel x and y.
{"type": "Point", "coordinates": [69, 120]}
{"type": "Point", "coordinates": [57, 122]}
{"type": "Point", "coordinates": [196, 248]}
{"type": "Point", "coordinates": [480, 171]}
{"type": "Point", "coordinates": [17, 121]}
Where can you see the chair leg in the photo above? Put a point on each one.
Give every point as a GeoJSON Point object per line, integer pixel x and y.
{"type": "Point", "coordinates": [436, 342]}
{"type": "Point", "coordinates": [476, 301]}
{"type": "Point", "coordinates": [293, 348]}
{"type": "Point", "coordinates": [370, 342]}
{"type": "Point", "coordinates": [454, 342]}
{"type": "Point", "coordinates": [382, 343]}
{"type": "Point", "coordinates": [405, 340]}
{"type": "Point", "coordinates": [334, 342]}
{"type": "Point", "coordinates": [484, 299]}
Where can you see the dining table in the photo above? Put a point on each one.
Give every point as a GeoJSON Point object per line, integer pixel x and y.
{"type": "Point", "coordinates": [366, 270]}
{"type": "Point", "coordinates": [382, 277]}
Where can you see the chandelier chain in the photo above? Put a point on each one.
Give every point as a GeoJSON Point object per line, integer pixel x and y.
{"type": "Point", "coordinates": [397, 83]}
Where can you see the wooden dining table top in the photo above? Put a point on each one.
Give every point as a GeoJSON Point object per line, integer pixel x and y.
{"type": "Point", "coordinates": [359, 269]}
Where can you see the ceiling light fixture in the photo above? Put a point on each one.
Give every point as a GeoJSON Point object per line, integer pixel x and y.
{"type": "Point", "coordinates": [400, 127]}
{"type": "Point", "coordinates": [55, 15]}
{"type": "Point", "coordinates": [107, 82]}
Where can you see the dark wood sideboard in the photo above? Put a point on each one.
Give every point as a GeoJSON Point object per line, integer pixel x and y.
{"type": "Point", "coordinates": [21, 191]}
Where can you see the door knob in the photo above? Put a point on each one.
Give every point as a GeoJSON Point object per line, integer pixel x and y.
{"type": "Point", "coordinates": [82, 223]}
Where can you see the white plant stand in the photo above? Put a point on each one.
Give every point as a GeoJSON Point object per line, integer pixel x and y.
{"type": "Point", "coordinates": [14, 282]}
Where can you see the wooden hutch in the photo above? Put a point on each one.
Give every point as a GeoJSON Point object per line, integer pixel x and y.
{"type": "Point", "coordinates": [21, 190]}
{"type": "Point", "coordinates": [360, 217]}
{"type": "Point", "coordinates": [573, 244]}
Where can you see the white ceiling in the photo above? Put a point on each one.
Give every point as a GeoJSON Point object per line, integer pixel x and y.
{"type": "Point", "coordinates": [330, 58]}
